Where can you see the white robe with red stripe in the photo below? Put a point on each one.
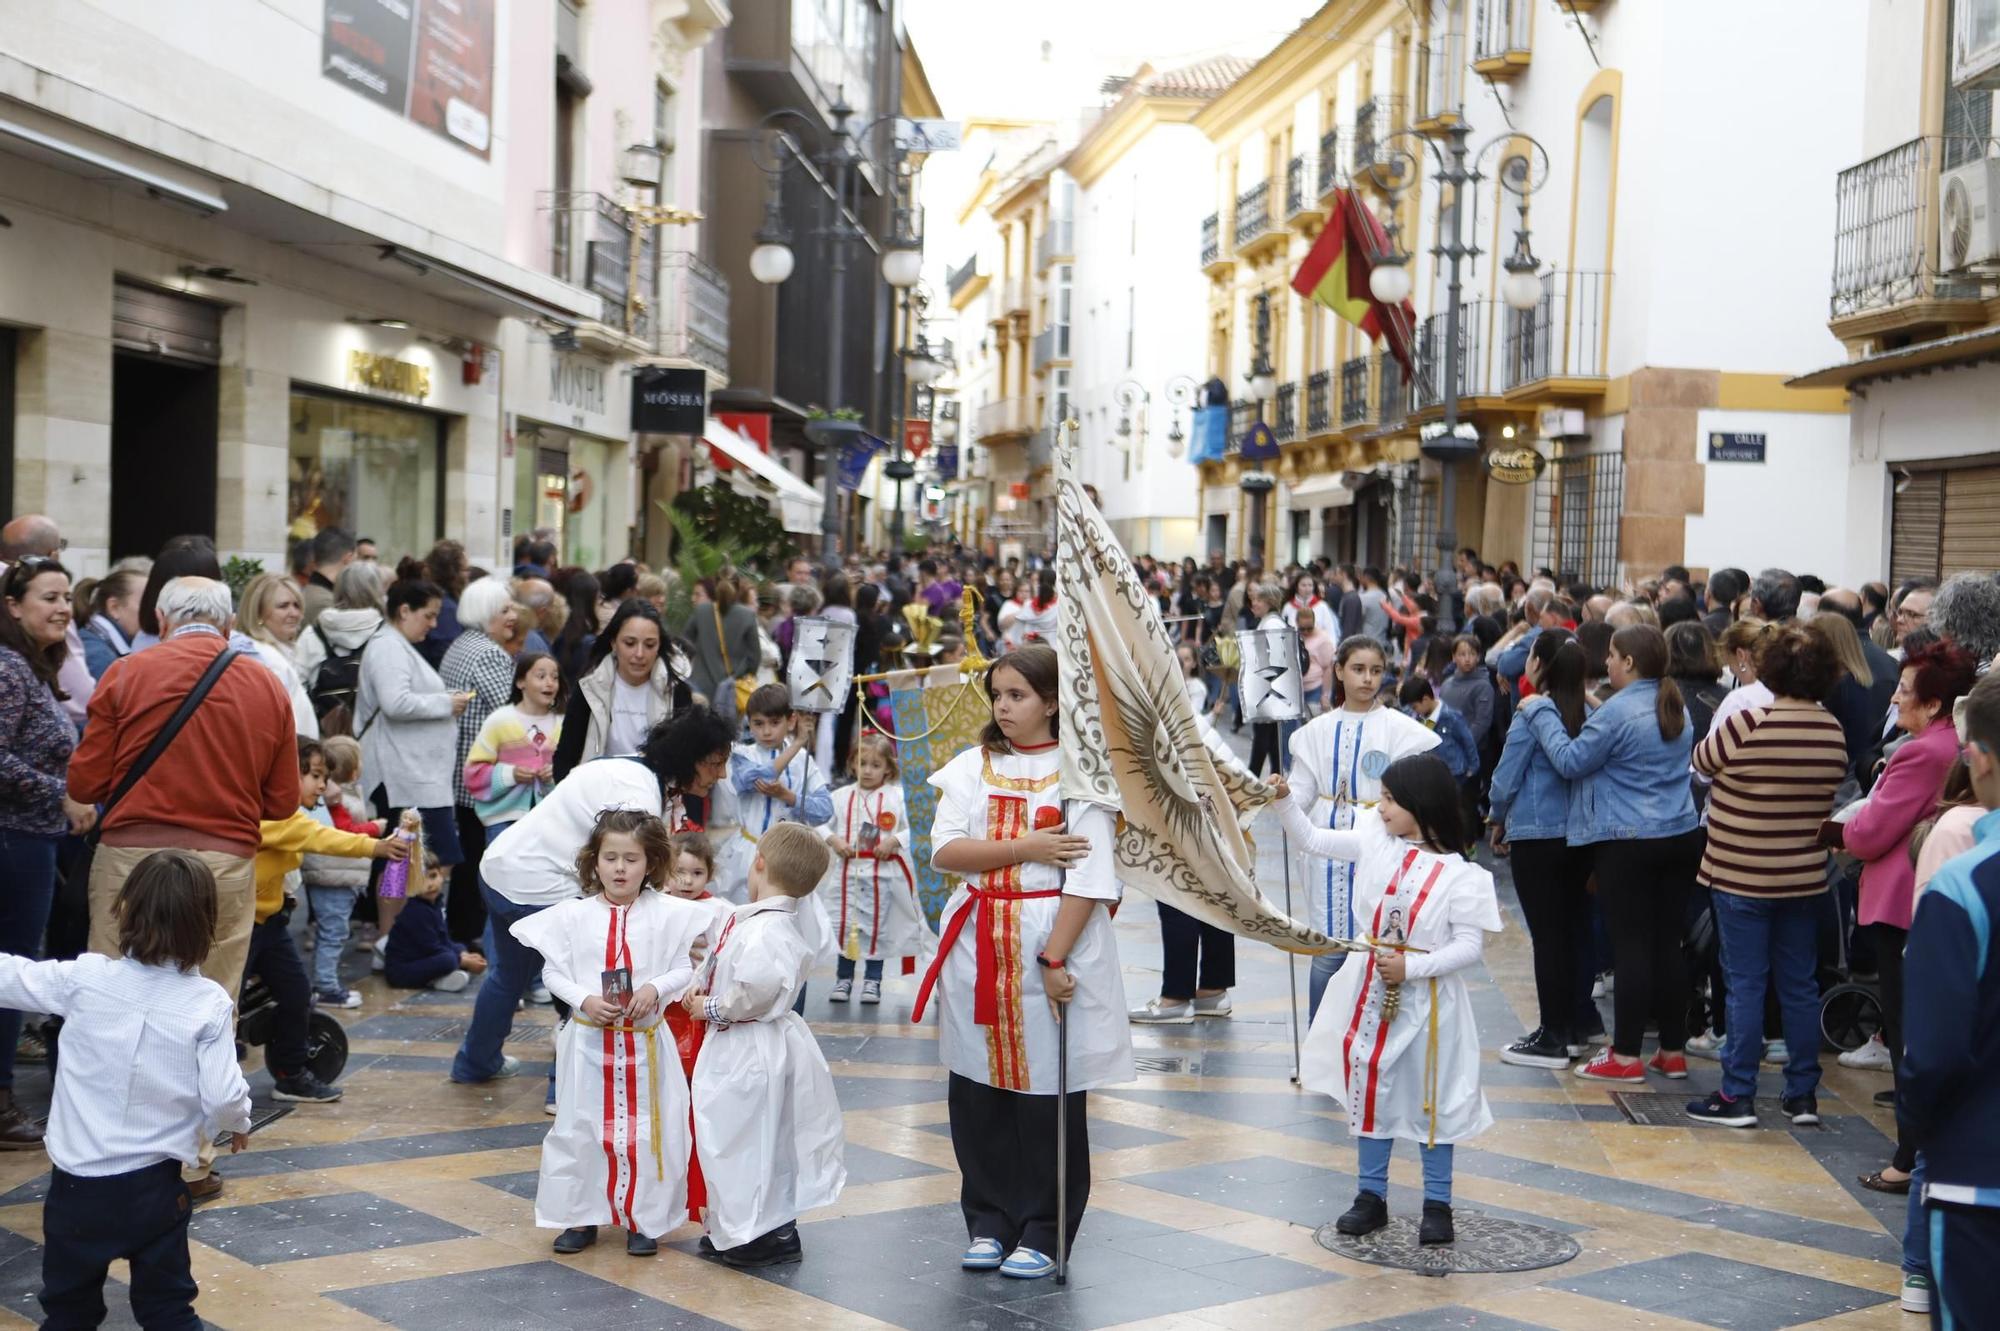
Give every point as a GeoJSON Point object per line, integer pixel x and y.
{"type": "Point", "coordinates": [871, 899]}
{"type": "Point", "coordinates": [1377, 1071]}
{"type": "Point", "coordinates": [598, 1161]}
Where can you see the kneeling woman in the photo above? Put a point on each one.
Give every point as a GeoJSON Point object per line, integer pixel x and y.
{"type": "Point", "coordinates": [1038, 882]}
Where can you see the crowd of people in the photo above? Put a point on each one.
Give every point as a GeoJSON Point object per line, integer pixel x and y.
{"type": "Point", "coordinates": [1718, 799]}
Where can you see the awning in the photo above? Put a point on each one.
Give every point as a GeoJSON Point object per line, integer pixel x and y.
{"type": "Point", "coordinates": [1964, 349]}
{"type": "Point", "coordinates": [799, 505]}
{"type": "Point", "coordinates": [1323, 491]}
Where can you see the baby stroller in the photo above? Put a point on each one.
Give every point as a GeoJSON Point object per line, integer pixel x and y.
{"type": "Point", "coordinates": [326, 1039]}
{"type": "Point", "coordinates": [1850, 1004]}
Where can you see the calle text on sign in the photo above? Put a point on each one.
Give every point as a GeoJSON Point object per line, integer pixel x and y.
{"type": "Point", "coordinates": [1726, 447]}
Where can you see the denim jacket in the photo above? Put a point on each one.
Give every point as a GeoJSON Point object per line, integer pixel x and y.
{"type": "Point", "coordinates": [1529, 798]}
{"type": "Point", "coordinates": [1626, 783]}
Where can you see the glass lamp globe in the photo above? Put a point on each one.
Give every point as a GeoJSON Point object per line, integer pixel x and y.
{"type": "Point", "coordinates": [1389, 283]}
{"type": "Point", "coordinates": [771, 262]}
{"type": "Point", "coordinates": [924, 369]}
{"type": "Point", "coordinates": [1521, 288]}
{"type": "Point", "coordinates": [902, 267]}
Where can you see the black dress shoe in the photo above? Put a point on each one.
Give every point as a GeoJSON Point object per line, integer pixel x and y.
{"type": "Point", "coordinates": [575, 1240]}
{"type": "Point", "coordinates": [1368, 1214]}
{"type": "Point", "coordinates": [638, 1245]}
{"type": "Point", "coordinates": [779, 1246]}
{"type": "Point", "coordinates": [706, 1247]}
{"type": "Point", "coordinates": [1436, 1226]}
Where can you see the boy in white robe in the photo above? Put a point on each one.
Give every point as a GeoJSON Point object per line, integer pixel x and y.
{"type": "Point", "coordinates": [766, 1121]}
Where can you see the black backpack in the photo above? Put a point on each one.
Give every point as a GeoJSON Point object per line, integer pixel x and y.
{"type": "Point", "coordinates": [334, 690]}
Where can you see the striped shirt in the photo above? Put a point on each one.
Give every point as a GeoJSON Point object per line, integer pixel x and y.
{"type": "Point", "coordinates": [1775, 769]}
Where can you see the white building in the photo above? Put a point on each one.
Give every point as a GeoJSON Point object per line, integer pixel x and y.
{"type": "Point", "coordinates": [299, 266]}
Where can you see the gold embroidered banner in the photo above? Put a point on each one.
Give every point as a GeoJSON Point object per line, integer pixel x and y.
{"type": "Point", "coordinates": [1131, 742]}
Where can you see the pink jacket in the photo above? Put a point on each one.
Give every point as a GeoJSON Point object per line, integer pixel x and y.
{"type": "Point", "coordinates": [1879, 833]}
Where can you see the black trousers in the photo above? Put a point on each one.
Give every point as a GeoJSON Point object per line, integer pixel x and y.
{"type": "Point", "coordinates": [1889, 941]}
{"type": "Point", "coordinates": [1965, 1263]}
{"type": "Point", "coordinates": [274, 958]}
{"type": "Point", "coordinates": [1643, 886]}
{"type": "Point", "coordinates": [1551, 879]}
{"type": "Point", "coordinates": [1264, 746]}
{"type": "Point", "coordinates": [464, 907]}
{"type": "Point", "coordinates": [1006, 1147]}
{"type": "Point", "coordinates": [1196, 956]}
{"type": "Point", "coordinates": [91, 1222]}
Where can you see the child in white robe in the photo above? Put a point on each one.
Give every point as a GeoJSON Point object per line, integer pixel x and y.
{"type": "Point", "coordinates": [1395, 1040]}
{"type": "Point", "coordinates": [1038, 879]}
{"type": "Point", "coordinates": [618, 1151]}
{"type": "Point", "coordinates": [870, 893]}
{"type": "Point", "coordinates": [766, 1120]}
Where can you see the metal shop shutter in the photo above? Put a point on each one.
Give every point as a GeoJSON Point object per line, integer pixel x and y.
{"type": "Point", "coordinates": [162, 323]}
{"type": "Point", "coordinates": [1913, 529]}
{"type": "Point", "coordinates": [1971, 536]}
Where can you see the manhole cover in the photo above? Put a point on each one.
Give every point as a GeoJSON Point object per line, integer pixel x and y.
{"type": "Point", "coordinates": [1650, 1109]}
{"type": "Point", "coordinates": [1485, 1244]}
{"type": "Point", "coordinates": [1160, 1062]}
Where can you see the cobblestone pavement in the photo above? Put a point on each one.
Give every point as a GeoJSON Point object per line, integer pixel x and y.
{"type": "Point", "coordinates": [408, 1202]}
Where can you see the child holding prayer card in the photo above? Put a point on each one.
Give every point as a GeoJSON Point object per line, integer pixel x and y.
{"type": "Point", "coordinates": [618, 1153]}
{"type": "Point", "coordinates": [1394, 1041]}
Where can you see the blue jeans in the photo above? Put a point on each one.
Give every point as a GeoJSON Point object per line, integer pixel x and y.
{"type": "Point", "coordinates": [1375, 1168]}
{"type": "Point", "coordinates": [333, 920]}
{"type": "Point", "coordinates": [1917, 1229]}
{"type": "Point", "coordinates": [1323, 968]}
{"type": "Point", "coordinates": [1773, 943]}
{"type": "Point", "coordinates": [843, 969]}
{"type": "Point", "coordinates": [509, 967]}
{"type": "Point", "coordinates": [28, 871]}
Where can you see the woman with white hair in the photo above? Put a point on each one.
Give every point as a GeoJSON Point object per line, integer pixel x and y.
{"type": "Point", "coordinates": [477, 664]}
{"type": "Point", "coordinates": [1966, 613]}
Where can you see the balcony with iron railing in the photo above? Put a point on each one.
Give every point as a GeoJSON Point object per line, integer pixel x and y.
{"type": "Point", "coordinates": [1319, 404]}
{"type": "Point", "coordinates": [1886, 270]}
{"type": "Point", "coordinates": [1001, 420]}
{"type": "Point", "coordinates": [1356, 379]}
{"type": "Point", "coordinates": [1302, 208]}
{"type": "Point", "coordinates": [1056, 245]}
{"type": "Point", "coordinates": [1392, 393]}
{"type": "Point", "coordinates": [1051, 345]}
{"type": "Point", "coordinates": [1500, 33]}
{"type": "Point", "coordinates": [1285, 416]}
{"type": "Point", "coordinates": [1440, 83]}
{"type": "Point", "coordinates": [1242, 415]}
{"type": "Point", "coordinates": [1476, 377]}
{"type": "Point", "coordinates": [1214, 261]}
{"type": "Point", "coordinates": [1256, 230]}
{"type": "Point", "coordinates": [1330, 172]}
{"type": "Point", "coordinates": [1561, 340]}
{"type": "Point", "coordinates": [693, 315]}
{"type": "Point", "coordinates": [1374, 121]}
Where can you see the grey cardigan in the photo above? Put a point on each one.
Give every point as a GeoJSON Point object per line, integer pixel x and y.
{"type": "Point", "coordinates": [402, 711]}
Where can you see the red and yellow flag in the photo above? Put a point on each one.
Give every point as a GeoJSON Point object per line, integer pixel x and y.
{"type": "Point", "coordinates": [1335, 273]}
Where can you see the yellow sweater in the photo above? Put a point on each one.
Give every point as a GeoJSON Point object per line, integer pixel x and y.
{"type": "Point", "coordinates": [283, 844]}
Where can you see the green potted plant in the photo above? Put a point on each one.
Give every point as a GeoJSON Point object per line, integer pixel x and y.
{"type": "Point", "coordinates": [830, 429]}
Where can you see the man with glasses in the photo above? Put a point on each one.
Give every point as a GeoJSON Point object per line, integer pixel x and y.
{"type": "Point", "coordinates": [31, 534]}
{"type": "Point", "coordinates": [1913, 608]}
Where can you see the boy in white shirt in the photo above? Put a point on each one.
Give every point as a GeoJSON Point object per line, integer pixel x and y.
{"type": "Point", "coordinates": [148, 1069]}
{"type": "Point", "coordinates": [776, 781]}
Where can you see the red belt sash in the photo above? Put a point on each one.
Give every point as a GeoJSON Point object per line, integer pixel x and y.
{"type": "Point", "coordinates": [986, 989]}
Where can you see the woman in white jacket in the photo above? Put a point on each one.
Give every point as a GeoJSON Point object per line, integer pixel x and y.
{"type": "Point", "coordinates": [271, 612]}
{"type": "Point", "coordinates": [406, 720]}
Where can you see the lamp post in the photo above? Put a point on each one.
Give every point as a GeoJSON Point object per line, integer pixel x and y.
{"type": "Point", "coordinates": [920, 369]}
{"type": "Point", "coordinates": [1389, 283]}
{"type": "Point", "coordinates": [772, 261]}
{"type": "Point", "coordinates": [1263, 380]}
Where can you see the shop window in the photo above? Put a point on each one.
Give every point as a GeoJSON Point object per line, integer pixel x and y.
{"type": "Point", "coordinates": [370, 468]}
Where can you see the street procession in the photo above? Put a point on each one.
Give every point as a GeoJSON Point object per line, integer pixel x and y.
{"type": "Point", "coordinates": [753, 664]}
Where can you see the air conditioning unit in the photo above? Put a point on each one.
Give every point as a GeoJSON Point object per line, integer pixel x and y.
{"type": "Point", "coordinates": [1975, 44]}
{"type": "Point", "coordinates": [1967, 237]}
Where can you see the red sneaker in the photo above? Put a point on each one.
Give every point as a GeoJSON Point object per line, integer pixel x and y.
{"type": "Point", "coordinates": [1608, 1066]}
{"type": "Point", "coordinates": [1674, 1067]}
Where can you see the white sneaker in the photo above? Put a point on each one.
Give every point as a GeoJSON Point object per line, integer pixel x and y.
{"type": "Point", "coordinates": [1775, 1054]}
{"type": "Point", "coordinates": [1874, 1056]}
{"type": "Point", "coordinates": [538, 995]}
{"type": "Point", "coordinates": [1707, 1045]}
{"type": "Point", "coordinates": [1160, 1012]}
{"type": "Point", "coordinates": [378, 960]}
{"type": "Point", "coordinates": [1916, 1294]}
{"type": "Point", "coordinates": [1603, 984]}
{"type": "Point", "coordinates": [871, 991]}
{"type": "Point", "coordinates": [453, 982]}
{"type": "Point", "coordinates": [842, 991]}
{"type": "Point", "coordinates": [1215, 1005]}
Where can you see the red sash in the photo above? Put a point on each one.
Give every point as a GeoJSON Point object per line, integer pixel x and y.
{"type": "Point", "coordinates": [986, 990]}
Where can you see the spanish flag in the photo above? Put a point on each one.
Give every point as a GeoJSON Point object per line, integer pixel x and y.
{"type": "Point", "coordinates": [1335, 273]}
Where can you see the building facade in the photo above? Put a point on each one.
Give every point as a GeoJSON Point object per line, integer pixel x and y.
{"type": "Point", "coordinates": [1652, 367]}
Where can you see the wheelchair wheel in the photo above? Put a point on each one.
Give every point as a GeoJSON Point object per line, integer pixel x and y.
{"type": "Point", "coordinates": [326, 1048]}
{"type": "Point", "coordinates": [1848, 1015]}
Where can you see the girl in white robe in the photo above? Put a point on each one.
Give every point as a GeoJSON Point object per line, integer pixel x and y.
{"type": "Point", "coordinates": [1395, 1041]}
{"type": "Point", "coordinates": [1338, 759]}
{"type": "Point", "coordinates": [766, 1119]}
{"type": "Point", "coordinates": [870, 893]}
{"type": "Point", "coordinates": [618, 1151]}
{"type": "Point", "coordinates": [1028, 927]}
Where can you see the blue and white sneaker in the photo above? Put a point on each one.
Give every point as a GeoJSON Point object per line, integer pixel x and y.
{"type": "Point", "coordinates": [1027, 1264]}
{"type": "Point", "coordinates": [983, 1255]}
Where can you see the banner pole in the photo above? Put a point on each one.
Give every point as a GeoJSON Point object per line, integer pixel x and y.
{"type": "Point", "coordinates": [1291, 958]}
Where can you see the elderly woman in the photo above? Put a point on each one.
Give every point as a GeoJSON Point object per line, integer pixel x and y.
{"type": "Point", "coordinates": [478, 664]}
{"type": "Point", "coordinates": [270, 614]}
{"type": "Point", "coordinates": [628, 689]}
{"type": "Point", "coordinates": [36, 739]}
{"type": "Point", "coordinates": [405, 718]}
{"type": "Point", "coordinates": [343, 630]}
{"type": "Point", "coordinates": [1934, 677]}
{"type": "Point", "coordinates": [1775, 769]}
{"type": "Point", "coordinates": [1966, 613]}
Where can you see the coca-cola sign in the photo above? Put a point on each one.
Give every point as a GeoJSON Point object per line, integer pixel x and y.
{"type": "Point", "coordinates": [1518, 465]}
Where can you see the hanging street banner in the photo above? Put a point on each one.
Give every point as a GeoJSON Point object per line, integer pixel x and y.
{"type": "Point", "coordinates": [854, 459]}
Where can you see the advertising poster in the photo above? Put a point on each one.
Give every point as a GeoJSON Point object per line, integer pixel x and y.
{"type": "Point", "coordinates": [428, 60]}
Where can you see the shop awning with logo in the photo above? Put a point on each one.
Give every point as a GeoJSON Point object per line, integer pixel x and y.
{"type": "Point", "coordinates": [1322, 491]}
{"type": "Point", "coordinates": [799, 505]}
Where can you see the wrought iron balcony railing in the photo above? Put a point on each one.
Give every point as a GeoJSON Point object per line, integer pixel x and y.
{"type": "Point", "coordinates": [1354, 385]}
{"type": "Point", "coordinates": [693, 316]}
{"type": "Point", "coordinates": [1242, 415]}
{"type": "Point", "coordinates": [1319, 407]}
{"type": "Point", "coordinates": [1329, 161]}
{"type": "Point", "coordinates": [1285, 422]}
{"type": "Point", "coordinates": [1392, 393]}
{"type": "Point", "coordinates": [1295, 186]}
{"type": "Point", "coordinates": [1562, 337]}
{"type": "Point", "coordinates": [1885, 232]}
{"type": "Point", "coordinates": [1500, 29]}
{"type": "Point", "coordinates": [1211, 239]}
{"type": "Point", "coordinates": [1253, 213]}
